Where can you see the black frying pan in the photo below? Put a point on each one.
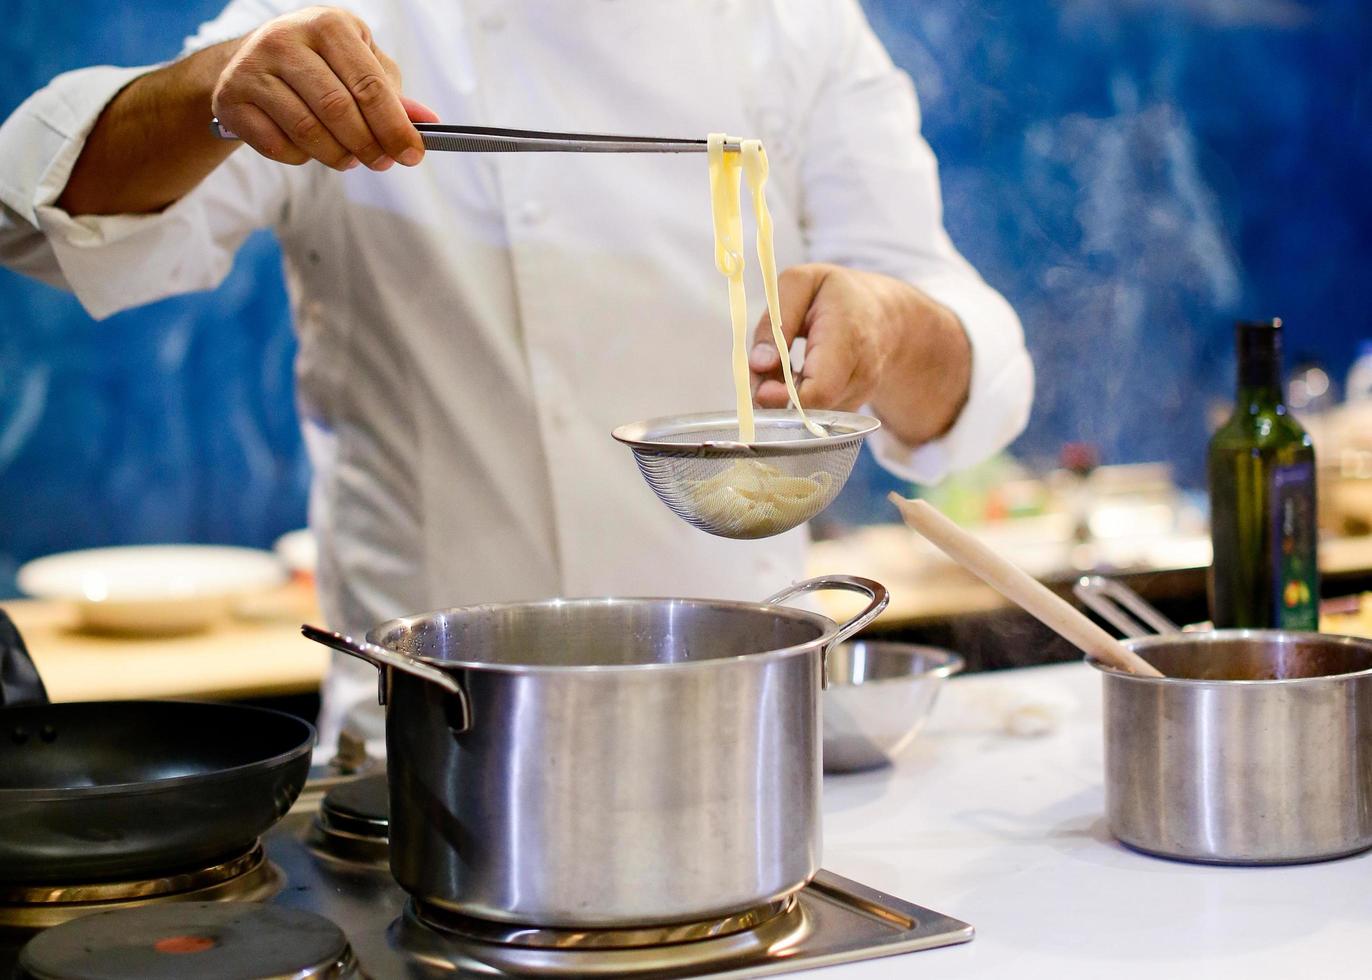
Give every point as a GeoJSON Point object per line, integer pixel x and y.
{"type": "Point", "coordinates": [123, 790]}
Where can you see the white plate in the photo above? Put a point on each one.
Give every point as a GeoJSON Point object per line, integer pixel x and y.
{"type": "Point", "coordinates": [298, 550]}
{"type": "Point", "coordinates": [160, 589]}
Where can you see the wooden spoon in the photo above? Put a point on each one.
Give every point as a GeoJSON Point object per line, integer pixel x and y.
{"type": "Point", "coordinates": [1017, 586]}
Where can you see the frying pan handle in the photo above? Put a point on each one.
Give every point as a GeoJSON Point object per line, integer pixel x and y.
{"type": "Point", "coordinates": [19, 679]}
{"type": "Point", "coordinates": [380, 657]}
{"type": "Point", "coordinates": [1114, 602]}
{"type": "Point", "coordinates": [874, 591]}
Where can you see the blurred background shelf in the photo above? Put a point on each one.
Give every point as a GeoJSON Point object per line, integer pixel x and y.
{"type": "Point", "coordinates": [259, 656]}
{"type": "Point", "coordinates": [936, 603]}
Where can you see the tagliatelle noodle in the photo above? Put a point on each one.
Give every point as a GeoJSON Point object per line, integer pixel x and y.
{"type": "Point", "coordinates": [725, 171]}
{"type": "Point", "coordinates": [753, 499]}
{"type": "Point", "coordinates": [755, 173]}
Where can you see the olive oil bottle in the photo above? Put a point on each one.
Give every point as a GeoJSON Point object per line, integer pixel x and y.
{"type": "Point", "coordinates": [1262, 500]}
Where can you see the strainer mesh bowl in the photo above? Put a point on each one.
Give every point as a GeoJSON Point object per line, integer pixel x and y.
{"type": "Point", "coordinates": [696, 466]}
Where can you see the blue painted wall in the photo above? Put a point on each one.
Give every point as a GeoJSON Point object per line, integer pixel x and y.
{"type": "Point", "coordinates": [1133, 174]}
{"type": "Point", "coordinates": [175, 422]}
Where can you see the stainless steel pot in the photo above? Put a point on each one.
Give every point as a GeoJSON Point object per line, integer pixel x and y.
{"type": "Point", "coordinates": [600, 763]}
{"type": "Point", "coordinates": [1256, 748]}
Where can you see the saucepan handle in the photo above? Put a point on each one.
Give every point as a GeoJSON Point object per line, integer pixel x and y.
{"type": "Point", "coordinates": [874, 591]}
{"type": "Point", "coordinates": [1114, 602]}
{"type": "Point", "coordinates": [379, 656]}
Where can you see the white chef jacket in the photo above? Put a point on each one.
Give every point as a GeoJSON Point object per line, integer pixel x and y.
{"type": "Point", "coordinates": [471, 330]}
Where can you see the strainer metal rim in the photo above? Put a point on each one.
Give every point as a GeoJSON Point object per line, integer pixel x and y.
{"type": "Point", "coordinates": [844, 428]}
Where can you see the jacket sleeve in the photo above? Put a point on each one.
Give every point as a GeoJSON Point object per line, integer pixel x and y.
{"type": "Point", "coordinates": [871, 201]}
{"type": "Point", "coordinates": [114, 262]}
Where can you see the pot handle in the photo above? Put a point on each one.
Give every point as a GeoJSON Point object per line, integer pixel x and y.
{"type": "Point", "coordinates": [1114, 601]}
{"type": "Point", "coordinates": [379, 656]}
{"type": "Point", "coordinates": [874, 591]}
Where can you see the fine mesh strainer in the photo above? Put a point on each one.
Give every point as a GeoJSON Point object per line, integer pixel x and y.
{"type": "Point", "coordinates": [698, 468]}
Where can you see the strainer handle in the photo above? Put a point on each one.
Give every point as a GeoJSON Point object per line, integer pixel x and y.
{"type": "Point", "coordinates": [874, 591]}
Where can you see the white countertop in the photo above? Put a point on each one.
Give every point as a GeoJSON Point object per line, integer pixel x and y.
{"type": "Point", "coordinates": [1008, 833]}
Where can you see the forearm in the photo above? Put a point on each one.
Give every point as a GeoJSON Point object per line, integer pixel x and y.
{"type": "Point", "coordinates": [152, 144]}
{"type": "Point", "coordinates": [928, 373]}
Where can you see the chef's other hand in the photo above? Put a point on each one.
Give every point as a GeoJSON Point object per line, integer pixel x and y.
{"type": "Point", "coordinates": [313, 85]}
{"type": "Point", "coordinates": [869, 340]}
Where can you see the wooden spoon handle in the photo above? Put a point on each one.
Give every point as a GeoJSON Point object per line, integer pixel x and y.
{"type": "Point", "coordinates": [1017, 586]}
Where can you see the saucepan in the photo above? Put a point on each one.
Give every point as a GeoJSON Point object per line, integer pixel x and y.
{"type": "Point", "coordinates": [606, 763]}
{"type": "Point", "coordinates": [1255, 748]}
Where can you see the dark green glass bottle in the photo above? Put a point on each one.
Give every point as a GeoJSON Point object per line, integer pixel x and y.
{"type": "Point", "coordinates": [1262, 500]}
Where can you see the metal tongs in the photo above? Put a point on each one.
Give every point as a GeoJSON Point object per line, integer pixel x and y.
{"type": "Point", "coordinates": [484, 139]}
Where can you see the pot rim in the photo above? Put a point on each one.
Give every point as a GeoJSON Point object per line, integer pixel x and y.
{"type": "Point", "coordinates": [829, 629]}
{"type": "Point", "coordinates": [1201, 637]}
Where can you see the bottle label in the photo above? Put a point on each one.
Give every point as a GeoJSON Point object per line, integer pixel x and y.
{"type": "Point", "coordinates": [1295, 577]}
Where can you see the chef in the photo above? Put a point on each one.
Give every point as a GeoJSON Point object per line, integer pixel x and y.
{"type": "Point", "coordinates": [472, 326]}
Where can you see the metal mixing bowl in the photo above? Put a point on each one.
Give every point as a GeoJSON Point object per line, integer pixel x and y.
{"type": "Point", "coordinates": [878, 698]}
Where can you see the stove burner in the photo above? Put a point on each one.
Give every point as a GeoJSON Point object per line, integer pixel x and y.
{"type": "Point", "coordinates": [235, 939]}
{"type": "Point", "coordinates": [354, 820]}
{"type": "Point", "coordinates": [443, 941]}
{"type": "Point", "coordinates": [248, 877]}
{"type": "Point", "coordinates": [509, 934]}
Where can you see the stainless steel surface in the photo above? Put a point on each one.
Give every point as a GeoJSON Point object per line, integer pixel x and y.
{"type": "Point", "coordinates": [485, 139]}
{"type": "Point", "coordinates": [680, 455]}
{"type": "Point", "coordinates": [1118, 605]}
{"type": "Point", "coordinates": [629, 761]}
{"type": "Point", "coordinates": [879, 696]}
{"type": "Point", "coordinates": [830, 921]}
{"type": "Point", "coordinates": [834, 921]}
{"type": "Point", "coordinates": [1255, 749]}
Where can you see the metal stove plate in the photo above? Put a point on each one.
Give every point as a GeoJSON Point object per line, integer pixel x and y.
{"type": "Point", "coordinates": [854, 922]}
{"type": "Point", "coordinates": [184, 939]}
{"type": "Point", "coordinates": [845, 922]}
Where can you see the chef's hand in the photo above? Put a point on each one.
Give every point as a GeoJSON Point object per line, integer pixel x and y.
{"type": "Point", "coordinates": [869, 340]}
{"type": "Point", "coordinates": [313, 85]}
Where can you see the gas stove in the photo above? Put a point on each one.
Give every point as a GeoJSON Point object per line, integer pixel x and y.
{"type": "Point", "coordinates": [316, 899]}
